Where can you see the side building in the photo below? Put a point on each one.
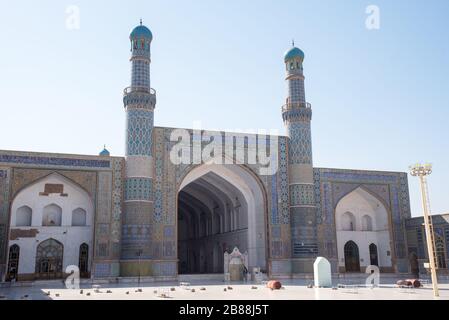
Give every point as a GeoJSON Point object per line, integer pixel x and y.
{"type": "Point", "coordinates": [58, 210]}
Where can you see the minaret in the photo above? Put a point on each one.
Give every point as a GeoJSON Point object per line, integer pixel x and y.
{"type": "Point", "coordinates": [297, 115]}
{"type": "Point", "coordinates": [139, 101]}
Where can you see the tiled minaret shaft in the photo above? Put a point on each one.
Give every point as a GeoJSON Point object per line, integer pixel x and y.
{"type": "Point", "coordinates": [139, 101]}
{"type": "Point", "coordinates": [297, 116]}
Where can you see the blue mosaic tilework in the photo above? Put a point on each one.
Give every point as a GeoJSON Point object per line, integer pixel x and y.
{"type": "Point", "coordinates": [169, 250]}
{"type": "Point", "coordinates": [135, 233]}
{"type": "Point", "coordinates": [281, 188]}
{"type": "Point", "coordinates": [276, 248]}
{"type": "Point", "coordinates": [304, 250]}
{"type": "Point", "coordinates": [169, 232]}
{"type": "Point", "coordinates": [159, 178]}
{"type": "Point", "coordinates": [140, 100]}
{"type": "Point", "coordinates": [297, 114]}
{"type": "Point", "coordinates": [138, 189]}
{"type": "Point", "coordinates": [302, 194]}
{"type": "Point", "coordinates": [419, 236]}
{"type": "Point", "coordinates": [140, 73]}
{"type": "Point", "coordinates": [404, 196]}
{"type": "Point", "coordinates": [300, 145]}
{"type": "Point", "coordinates": [281, 267]}
{"type": "Point", "coordinates": [296, 90]}
{"type": "Point", "coordinates": [117, 191]}
{"type": "Point", "coordinates": [274, 200]}
{"type": "Point", "coordinates": [102, 270]}
{"type": "Point", "coordinates": [276, 232]}
{"type": "Point", "coordinates": [317, 186]}
{"type": "Point", "coordinates": [357, 176]}
{"type": "Point", "coordinates": [328, 179]}
{"type": "Point", "coordinates": [165, 269]}
{"type": "Point", "coordinates": [40, 160]}
{"type": "Point", "coordinates": [139, 132]}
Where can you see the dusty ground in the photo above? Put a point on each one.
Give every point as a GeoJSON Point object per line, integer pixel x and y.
{"type": "Point", "coordinates": [214, 290]}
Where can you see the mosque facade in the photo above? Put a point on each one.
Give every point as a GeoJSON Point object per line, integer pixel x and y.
{"type": "Point", "coordinates": [161, 211]}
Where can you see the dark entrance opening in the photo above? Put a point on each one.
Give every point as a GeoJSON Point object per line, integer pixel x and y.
{"type": "Point", "coordinates": [414, 265]}
{"type": "Point", "coordinates": [212, 219]}
{"type": "Point", "coordinates": [374, 261]}
{"type": "Point", "coordinates": [352, 261]}
{"type": "Point", "coordinates": [13, 263]}
{"type": "Point", "coordinates": [49, 257]}
{"type": "Point", "coordinates": [84, 260]}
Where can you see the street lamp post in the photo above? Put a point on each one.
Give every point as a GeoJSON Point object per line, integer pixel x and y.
{"type": "Point", "coordinates": [421, 171]}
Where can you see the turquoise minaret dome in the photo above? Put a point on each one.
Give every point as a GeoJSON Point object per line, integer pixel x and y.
{"type": "Point", "coordinates": [141, 32]}
{"type": "Point", "coordinates": [105, 152]}
{"type": "Point", "coordinates": [294, 53]}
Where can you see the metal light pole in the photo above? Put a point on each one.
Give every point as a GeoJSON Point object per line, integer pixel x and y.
{"type": "Point", "coordinates": [421, 171]}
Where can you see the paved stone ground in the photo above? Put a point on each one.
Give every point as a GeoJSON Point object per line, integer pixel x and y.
{"type": "Point", "coordinates": [214, 290]}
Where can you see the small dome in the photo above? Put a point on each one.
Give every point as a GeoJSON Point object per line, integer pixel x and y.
{"type": "Point", "coordinates": [141, 32]}
{"type": "Point", "coordinates": [293, 53]}
{"type": "Point", "coordinates": [105, 152]}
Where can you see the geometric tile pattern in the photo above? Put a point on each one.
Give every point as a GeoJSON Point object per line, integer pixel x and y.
{"type": "Point", "coordinates": [53, 161]}
{"type": "Point", "coordinates": [302, 194]}
{"type": "Point", "coordinates": [138, 189]}
{"type": "Point", "coordinates": [140, 73]}
{"type": "Point", "coordinates": [159, 177]}
{"type": "Point", "coordinates": [117, 191]}
{"type": "Point", "coordinates": [102, 270]}
{"type": "Point", "coordinates": [280, 190]}
{"type": "Point", "coordinates": [139, 132]}
{"type": "Point", "coordinates": [296, 90]}
{"type": "Point", "coordinates": [164, 269]}
{"type": "Point", "coordinates": [300, 145]}
{"type": "Point", "coordinates": [333, 184]}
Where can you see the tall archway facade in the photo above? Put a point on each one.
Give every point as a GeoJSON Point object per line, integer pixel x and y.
{"type": "Point", "coordinates": [220, 207]}
{"type": "Point", "coordinates": [362, 220]}
{"type": "Point", "coordinates": [42, 213]}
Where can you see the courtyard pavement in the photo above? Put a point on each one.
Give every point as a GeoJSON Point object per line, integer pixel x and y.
{"type": "Point", "coordinates": [215, 290]}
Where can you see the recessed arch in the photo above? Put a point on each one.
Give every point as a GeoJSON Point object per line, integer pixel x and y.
{"type": "Point", "coordinates": [348, 222]}
{"type": "Point", "coordinates": [52, 216]}
{"type": "Point", "coordinates": [24, 216]}
{"type": "Point", "coordinates": [50, 176]}
{"type": "Point", "coordinates": [55, 200]}
{"type": "Point", "coordinates": [236, 195]}
{"type": "Point", "coordinates": [371, 228]}
{"type": "Point", "coordinates": [79, 217]}
{"type": "Point", "coordinates": [352, 258]}
{"type": "Point", "coordinates": [367, 223]}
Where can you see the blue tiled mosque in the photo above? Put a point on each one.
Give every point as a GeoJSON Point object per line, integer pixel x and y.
{"type": "Point", "coordinates": [146, 215]}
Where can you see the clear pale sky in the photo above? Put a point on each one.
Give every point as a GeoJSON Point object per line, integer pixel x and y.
{"type": "Point", "coordinates": [380, 98]}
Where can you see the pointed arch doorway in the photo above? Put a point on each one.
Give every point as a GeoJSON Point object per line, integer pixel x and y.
{"type": "Point", "coordinates": [352, 260]}
{"type": "Point", "coordinates": [220, 207]}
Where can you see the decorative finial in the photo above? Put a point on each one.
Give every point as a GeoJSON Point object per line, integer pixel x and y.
{"type": "Point", "coordinates": [140, 21]}
{"type": "Point", "coordinates": [104, 146]}
{"type": "Point", "coordinates": [293, 42]}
